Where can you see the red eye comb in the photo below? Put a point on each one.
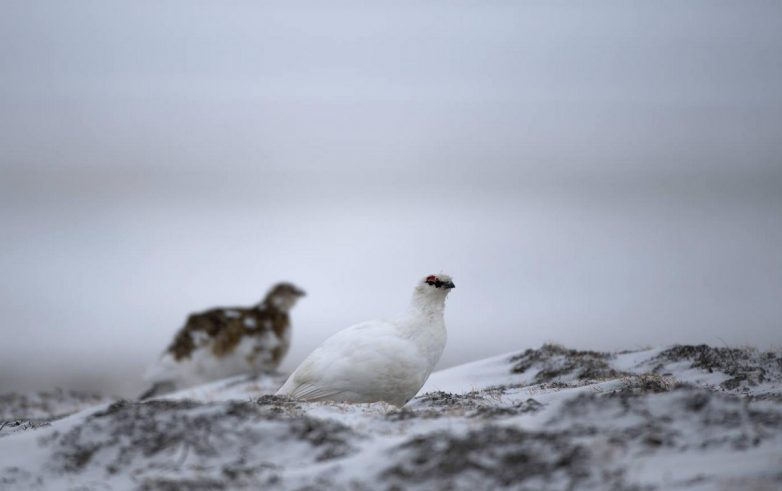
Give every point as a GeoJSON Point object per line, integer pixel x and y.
{"type": "Point", "coordinates": [431, 277]}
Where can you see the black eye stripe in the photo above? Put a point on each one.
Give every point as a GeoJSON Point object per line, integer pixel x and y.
{"type": "Point", "coordinates": [437, 283]}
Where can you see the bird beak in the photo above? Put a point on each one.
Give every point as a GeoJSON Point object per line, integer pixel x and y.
{"type": "Point", "coordinates": [301, 293]}
{"type": "Point", "coordinates": [448, 285]}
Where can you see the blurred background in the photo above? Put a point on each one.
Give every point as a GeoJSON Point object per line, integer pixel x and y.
{"type": "Point", "coordinates": [607, 175]}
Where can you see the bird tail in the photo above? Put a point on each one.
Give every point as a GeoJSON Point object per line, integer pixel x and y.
{"type": "Point", "coordinates": [158, 389]}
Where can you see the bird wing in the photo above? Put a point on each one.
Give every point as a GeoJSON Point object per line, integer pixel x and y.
{"type": "Point", "coordinates": [310, 392]}
{"type": "Point", "coordinates": [356, 360]}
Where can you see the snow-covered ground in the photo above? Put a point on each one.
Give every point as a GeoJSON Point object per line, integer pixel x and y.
{"type": "Point", "coordinates": [683, 417]}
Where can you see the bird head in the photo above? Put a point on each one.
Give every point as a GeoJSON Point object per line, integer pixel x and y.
{"type": "Point", "coordinates": [283, 296]}
{"type": "Point", "coordinates": [431, 292]}
{"type": "Point", "coordinates": [437, 282]}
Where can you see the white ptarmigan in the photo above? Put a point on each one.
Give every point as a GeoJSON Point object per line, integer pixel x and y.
{"type": "Point", "coordinates": [226, 341]}
{"type": "Point", "coordinates": [378, 360]}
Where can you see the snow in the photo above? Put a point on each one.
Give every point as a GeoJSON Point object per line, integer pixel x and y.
{"type": "Point", "coordinates": [670, 418]}
{"type": "Point", "coordinates": [471, 376]}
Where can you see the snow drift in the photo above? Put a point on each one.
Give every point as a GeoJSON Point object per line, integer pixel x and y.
{"type": "Point", "coordinates": [685, 417]}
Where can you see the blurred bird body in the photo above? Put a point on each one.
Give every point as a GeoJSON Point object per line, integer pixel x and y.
{"type": "Point", "coordinates": [223, 342]}
{"type": "Point", "coordinates": [378, 360]}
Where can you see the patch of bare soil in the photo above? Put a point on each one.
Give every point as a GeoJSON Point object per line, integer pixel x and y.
{"type": "Point", "coordinates": [555, 362]}
{"type": "Point", "coordinates": [747, 367]}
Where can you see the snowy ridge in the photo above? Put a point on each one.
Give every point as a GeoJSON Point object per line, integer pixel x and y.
{"type": "Point", "coordinates": [685, 417]}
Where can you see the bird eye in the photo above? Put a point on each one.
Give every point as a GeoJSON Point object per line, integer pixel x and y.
{"type": "Point", "coordinates": [434, 281]}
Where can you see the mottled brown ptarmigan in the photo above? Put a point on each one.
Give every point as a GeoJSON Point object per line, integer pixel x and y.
{"type": "Point", "coordinates": [226, 341]}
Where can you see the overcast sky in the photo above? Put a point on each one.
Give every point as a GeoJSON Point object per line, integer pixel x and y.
{"type": "Point", "coordinates": [606, 175]}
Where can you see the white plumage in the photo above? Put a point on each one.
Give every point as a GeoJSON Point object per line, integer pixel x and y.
{"type": "Point", "coordinates": [378, 360]}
